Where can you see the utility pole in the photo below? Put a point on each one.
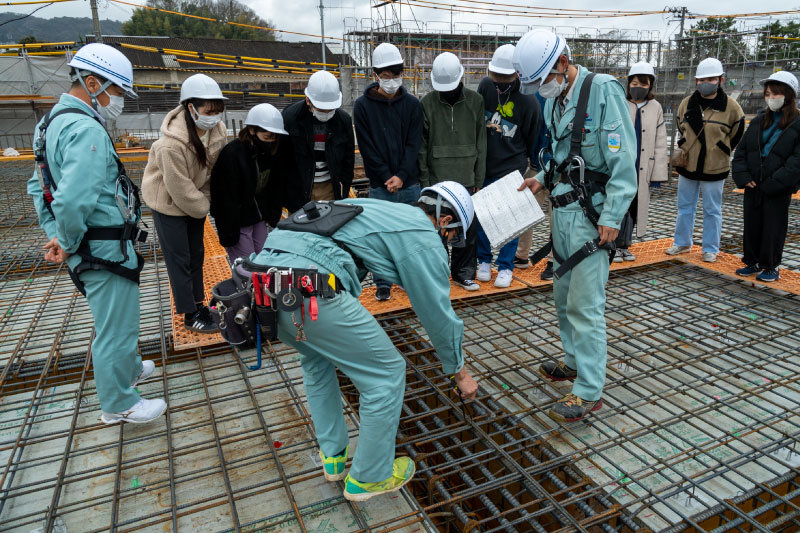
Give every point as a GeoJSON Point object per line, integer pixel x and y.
{"type": "Point", "coordinates": [96, 21]}
{"type": "Point", "coordinates": [322, 31]}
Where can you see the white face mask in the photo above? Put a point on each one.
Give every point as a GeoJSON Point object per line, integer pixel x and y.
{"type": "Point", "coordinates": [204, 122]}
{"type": "Point", "coordinates": [554, 88]}
{"type": "Point", "coordinates": [391, 86]}
{"type": "Point", "coordinates": [776, 102]}
{"type": "Point", "coordinates": [114, 107]}
{"type": "Point", "coordinates": [323, 116]}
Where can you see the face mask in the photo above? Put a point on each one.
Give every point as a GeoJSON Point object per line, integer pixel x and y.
{"type": "Point", "coordinates": [264, 147]}
{"type": "Point", "coordinates": [707, 88]}
{"type": "Point", "coordinates": [114, 107]}
{"type": "Point", "coordinates": [452, 96]}
{"type": "Point", "coordinates": [553, 88]}
{"type": "Point", "coordinates": [323, 116]}
{"type": "Point", "coordinates": [638, 93]}
{"type": "Point", "coordinates": [776, 102]}
{"type": "Point", "coordinates": [205, 122]}
{"type": "Point", "coordinates": [390, 86]}
{"type": "Point", "coordinates": [504, 88]}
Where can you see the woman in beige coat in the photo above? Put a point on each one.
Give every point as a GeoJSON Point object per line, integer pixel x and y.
{"type": "Point", "coordinates": [176, 187]}
{"type": "Point", "coordinates": [651, 140]}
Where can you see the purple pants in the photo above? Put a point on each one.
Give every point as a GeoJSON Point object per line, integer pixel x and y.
{"type": "Point", "coordinates": [251, 240]}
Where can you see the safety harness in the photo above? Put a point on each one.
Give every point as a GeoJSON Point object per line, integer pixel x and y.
{"type": "Point", "coordinates": [128, 202]}
{"type": "Point", "coordinates": [584, 186]}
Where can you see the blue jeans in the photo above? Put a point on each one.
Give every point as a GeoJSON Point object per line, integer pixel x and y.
{"type": "Point", "coordinates": [688, 194]}
{"type": "Point", "coordinates": [408, 196]}
{"type": "Point", "coordinates": [505, 257]}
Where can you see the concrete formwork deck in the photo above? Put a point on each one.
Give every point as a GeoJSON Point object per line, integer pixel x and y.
{"type": "Point", "coordinates": [699, 430]}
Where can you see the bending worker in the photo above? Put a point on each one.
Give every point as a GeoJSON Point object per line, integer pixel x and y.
{"type": "Point", "coordinates": [396, 242]}
{"type": "Point", "coordinates": [592, 180]}
{"type": "Point", "coordinates": [90, 211]}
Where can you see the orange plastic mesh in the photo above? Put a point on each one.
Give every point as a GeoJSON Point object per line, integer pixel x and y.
{"type": "Point", "coordinates": [216, 269]}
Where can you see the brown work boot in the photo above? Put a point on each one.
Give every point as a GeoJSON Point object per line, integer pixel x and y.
{"type": "Point", "coordinates": [557, 371]}
{"type": "Point", "coordinates": [571, 408]}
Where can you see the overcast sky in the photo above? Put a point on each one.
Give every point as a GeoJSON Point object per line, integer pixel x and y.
{"type": "Point", "coordinates": [303, 16]}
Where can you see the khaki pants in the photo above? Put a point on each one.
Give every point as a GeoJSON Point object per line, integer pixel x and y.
{"type": "Point", "coordinates": [526, 239]}
{"type": "Point", "coordinates": [322, 191]}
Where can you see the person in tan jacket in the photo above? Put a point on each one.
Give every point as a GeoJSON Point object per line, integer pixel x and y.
{"type": "Point", "coordinates": [651, 151]}
{"type": "Point", "coordinates": [711, 124]}
{"type": "Point", "coordinates": [176, 187]}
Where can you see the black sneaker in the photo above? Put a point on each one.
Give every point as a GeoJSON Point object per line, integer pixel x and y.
{"type": "Point", "coordinates": [547, 273]}
{"type": "Point", "coordinates": [521, 263]}
{"type": "Point", "coordinates": [557, 371]}
{"type": "Point", "coordinates": [201, 322]}
{"type": "Point", "coordinates": [383, 294]}
{"type": "Point", "coordinates": [467, 284]}
{"type": "Point", "coordinates": [571, 408]}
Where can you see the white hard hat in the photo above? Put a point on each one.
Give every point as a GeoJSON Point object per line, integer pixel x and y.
{"type": "Point", "coordinates": [458, 197]}
{"type": "Point", "coordinates": [642, 68]}
{"type": "Point", "coordinates": [535, 56]}
{"type": "Point", "coordinates": [108, 63]}
{"type": "Point", "coordinates": [502, 60]}
{"type": "Point", "coordinates": [201, 87]}
{"type": "Point", "coordinates": [323, 91]}
{"type": "Point", "coordinates": [386, 55]}
{"type": "Point", "coordinates": [710, 67]}
{"type": "Point", "coordinates": [786, 77]}
{"type": "Point", "coordinates": [266, 117]}
{"type": "Point", "coordinates": [446, 72]}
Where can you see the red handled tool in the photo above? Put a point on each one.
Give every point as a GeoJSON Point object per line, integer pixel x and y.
{"type": "Point", "coordinates": [313, 311]}
{"type": "Point", "coordinates": [256, 289]}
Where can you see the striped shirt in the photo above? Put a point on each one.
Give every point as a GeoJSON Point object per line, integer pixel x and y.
{"type": "Point", "coordinates": [321, 171]}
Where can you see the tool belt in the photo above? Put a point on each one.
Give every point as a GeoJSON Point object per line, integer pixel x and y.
{"type": "Point", "coordinates": [246, 306]}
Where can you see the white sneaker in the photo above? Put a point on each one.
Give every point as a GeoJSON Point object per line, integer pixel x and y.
{"type": "Point", "coordinates": [675, 249]}
{"type": "Point", "coordinates": [484, 272]}
{"type": "Point", "coordinates": [709, 257]}
{"type": "Point", "coordinates": [142, 412]}
{"type": "Point", "coordinates": [617, 257]}
{"type": "Point", "coordinates": [148, 367]}
{"type": "Point", "coordinates": [503, 278]}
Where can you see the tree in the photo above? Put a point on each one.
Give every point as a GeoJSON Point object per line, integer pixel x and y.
{"type": "Point", "coordinates": [150, 22]}
{"type": "Point", "coordinates": [30, 39]}
{"type": "Point", "coordinates": [713, 37]}
{"type": "Point", "coordinates": [780, 45]}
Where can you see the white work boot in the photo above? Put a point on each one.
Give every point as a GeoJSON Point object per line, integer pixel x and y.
{"type": "Point", "coordinates": [148, 367]}
{"type": "Point", "coordinates": [142, 412]}
{"type": "Point", "coordinates": [503, 278]}
{"type": "Point", "coordinates": [484, 272]}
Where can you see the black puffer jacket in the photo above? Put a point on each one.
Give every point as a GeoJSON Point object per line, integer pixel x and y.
{"type": "Point", "coordinates": [339, 152]}
{"type": "Point", "coordinates": [234, 202]}
{"type": "Point", "coordinates": [779, 172]}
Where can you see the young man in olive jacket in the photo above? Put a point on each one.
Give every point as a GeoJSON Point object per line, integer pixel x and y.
{"type": "Point", "coordinates": [454, 149]}
{"type": "Point", "coordinates": [323, 145]}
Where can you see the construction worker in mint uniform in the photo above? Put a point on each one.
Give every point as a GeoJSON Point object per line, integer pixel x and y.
{"type": "Point", "coordinates": [397, 242]}
{"type": "Point", "coordinates": [77, 200]}
{"type": "Point", "coordinates": [608, 143]}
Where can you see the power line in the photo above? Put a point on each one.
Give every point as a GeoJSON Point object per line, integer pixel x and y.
{"type": "Point", "coordinates": [25, 16]}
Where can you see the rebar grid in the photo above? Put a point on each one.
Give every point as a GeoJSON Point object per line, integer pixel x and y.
{"type": "Point", "coordinates": [701, 394]}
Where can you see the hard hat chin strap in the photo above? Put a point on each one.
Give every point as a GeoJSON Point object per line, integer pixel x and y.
{"type": "Point", "coordinates": [93, 95]}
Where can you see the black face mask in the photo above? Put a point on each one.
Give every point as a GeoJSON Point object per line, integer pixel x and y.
{"type": "Point", "coordinates": [638, 93]}
{"type": "Point", "coordinates": [452, 96]}
{"type": "Point", "coordinates": [505, 88]}
{"type": "Point", "coordinates": [263, 147]}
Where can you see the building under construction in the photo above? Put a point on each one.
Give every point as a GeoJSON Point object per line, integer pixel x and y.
{"type": "Point", "coordinates": [699, 430]}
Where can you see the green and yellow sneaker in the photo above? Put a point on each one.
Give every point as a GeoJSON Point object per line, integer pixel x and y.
{"type": "Point", "coordinates": [333, 467]}
{"type": "Point", "coordinates": [402, 473]}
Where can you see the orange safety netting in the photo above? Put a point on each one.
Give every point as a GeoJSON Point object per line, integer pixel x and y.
{"type": "Point", "coordinates": [216, 269]}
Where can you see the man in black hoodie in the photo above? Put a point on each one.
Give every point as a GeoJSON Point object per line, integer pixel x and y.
{"type": "Point", "coordinates": [388, 124]}
{"type": "Point", "coordinates": [513, 121]}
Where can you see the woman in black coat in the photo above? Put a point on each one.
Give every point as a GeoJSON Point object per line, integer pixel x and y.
{"type": "Point", "coordinates": [246, 183]}
{"type": "Point", "coordinates": [767, 165]}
